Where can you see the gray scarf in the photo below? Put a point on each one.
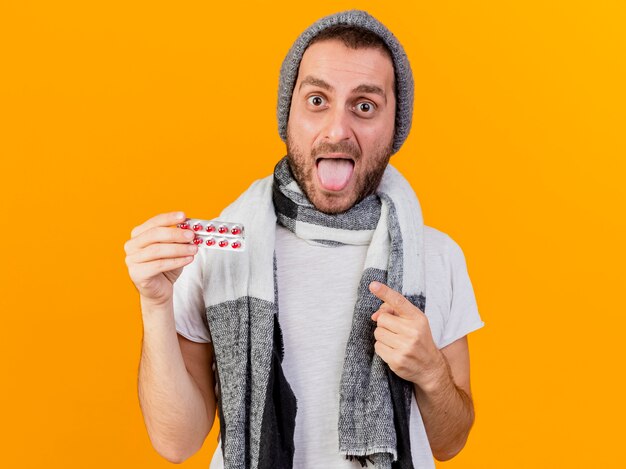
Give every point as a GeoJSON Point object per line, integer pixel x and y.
{"type": "Point", "coordinates": [256, 405]}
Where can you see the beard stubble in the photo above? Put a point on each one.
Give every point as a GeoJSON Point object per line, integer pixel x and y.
{"type": "Point", "coordinates": [302, 167]}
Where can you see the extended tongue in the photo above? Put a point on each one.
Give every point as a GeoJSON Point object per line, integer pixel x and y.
{"type": "Point", "coordinates": [334, 173]}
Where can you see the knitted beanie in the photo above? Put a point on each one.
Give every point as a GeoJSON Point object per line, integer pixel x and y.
{"type": "Point", "coordinates": [402, 68]}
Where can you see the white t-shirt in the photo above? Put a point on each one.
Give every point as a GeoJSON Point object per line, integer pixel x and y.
{"type": "Point", "coordinates": [319, 283]}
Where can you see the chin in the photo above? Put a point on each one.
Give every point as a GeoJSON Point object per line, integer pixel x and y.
{"type": "Point", "coordinates": [331, 210]}
{"type": "Point", "coordinates": [332, 205]}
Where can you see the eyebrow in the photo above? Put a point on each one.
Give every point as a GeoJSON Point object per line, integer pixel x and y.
{"type": "Point", "coordinates": [363, 88]}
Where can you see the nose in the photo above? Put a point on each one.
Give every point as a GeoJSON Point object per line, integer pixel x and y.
{"type": "Point", "coordinates": [337, 125]}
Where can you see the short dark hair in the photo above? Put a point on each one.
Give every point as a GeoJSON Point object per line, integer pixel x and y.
{"type": "Point", "coordinates": [352, 36]}
{"type": "Point", "coordinates": [355, 37]}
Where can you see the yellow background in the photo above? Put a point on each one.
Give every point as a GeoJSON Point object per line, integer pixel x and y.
{"type": "Point", "coordinates": [112, 112]}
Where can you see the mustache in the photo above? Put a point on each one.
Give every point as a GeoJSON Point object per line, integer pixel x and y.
{"type": "Point", "coordinates": [340, 147]}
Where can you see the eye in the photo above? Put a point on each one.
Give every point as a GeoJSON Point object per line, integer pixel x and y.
{"type": "Point", "coordinates": [315, 100]}
{"type": "Point", "coordinates": [366, 107]}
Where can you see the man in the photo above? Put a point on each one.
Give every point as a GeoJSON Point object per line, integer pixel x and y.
{"type": "Point", "coordinates": [339, 337]}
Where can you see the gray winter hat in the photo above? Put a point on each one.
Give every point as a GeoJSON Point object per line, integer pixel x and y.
{"type": "Point", "coordinates": [403, 73]}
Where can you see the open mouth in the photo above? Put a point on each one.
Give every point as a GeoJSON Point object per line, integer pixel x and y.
{"type": "Point", "coordinates": [334, 173]}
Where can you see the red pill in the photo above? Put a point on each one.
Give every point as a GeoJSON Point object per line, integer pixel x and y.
{"type": "Point", "coordinates": [210, 228]}
{"type": "Point", "coordinates": [197, 227]}
{"type": "Point", "coordinates": [197, 240]}
{"type": "Point", "coordinates": [184, 226]}
{"type": "Point", "coordinates": [210, 242]}
{"type": "Point", "coordinates": [222, 229]}
{"type": "Point", "coordinates": [236, 230]}
{"type": "Point", "coordinates": [236, 245]}
{"type": "Point", "coordinates": [223, 243]}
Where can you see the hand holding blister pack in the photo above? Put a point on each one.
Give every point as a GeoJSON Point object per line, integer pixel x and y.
{"type": "Point", "coordinates": [215, 234]}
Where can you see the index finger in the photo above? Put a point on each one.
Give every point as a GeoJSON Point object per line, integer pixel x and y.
{"type": "Point", "coordinates": [396, 300]}
{"type": "Point", "coordinates": [162, 219]}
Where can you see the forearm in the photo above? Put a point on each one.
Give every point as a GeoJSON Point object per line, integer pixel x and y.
{"type": "Point", "coordinates": [171, 402]}
{"type": "Point", "coordinates": [447, 412]}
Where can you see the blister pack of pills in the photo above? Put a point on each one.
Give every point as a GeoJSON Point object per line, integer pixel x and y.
{"type": "Point", "coordinates": [215, 234]}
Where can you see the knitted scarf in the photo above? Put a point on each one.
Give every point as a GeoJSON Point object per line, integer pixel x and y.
{"type": "Point", "coordinates": [256, 405]}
